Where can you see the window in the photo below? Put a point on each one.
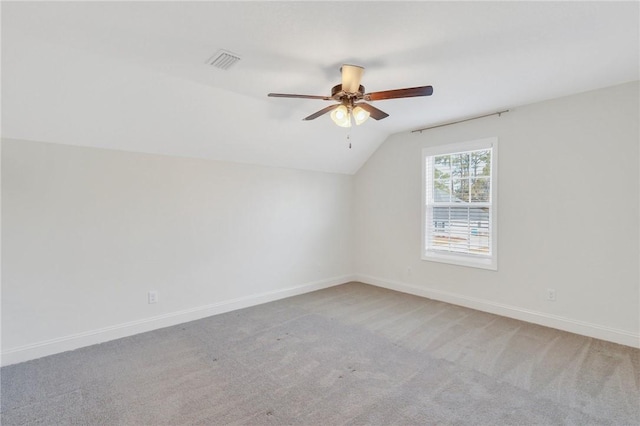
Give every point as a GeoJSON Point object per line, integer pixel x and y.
{"type": "Point", "coordinates": [460, 195]}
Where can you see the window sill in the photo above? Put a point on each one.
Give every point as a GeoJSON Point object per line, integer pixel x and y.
{"type": "Point", "coordinates": [462, 260]}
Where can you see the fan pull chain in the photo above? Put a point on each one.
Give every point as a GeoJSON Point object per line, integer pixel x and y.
{"type": "Point", "coordinates": [349, 138]}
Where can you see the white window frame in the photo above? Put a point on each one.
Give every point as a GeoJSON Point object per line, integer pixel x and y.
{"type": "Point", "coordinates": [476, 261]}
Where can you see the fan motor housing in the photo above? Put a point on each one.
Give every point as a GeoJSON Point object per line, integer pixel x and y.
{"type": "Point", "coordinates": [338, 94]}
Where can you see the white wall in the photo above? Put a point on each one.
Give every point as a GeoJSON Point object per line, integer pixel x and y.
{"type": "Point", "coordinates": [568, 216]}
{"type": "Point", "coordinates": [88, 232]}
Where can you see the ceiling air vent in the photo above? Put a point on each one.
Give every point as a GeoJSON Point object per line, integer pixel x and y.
{"type": "Point", "coordinates": [223, 59]}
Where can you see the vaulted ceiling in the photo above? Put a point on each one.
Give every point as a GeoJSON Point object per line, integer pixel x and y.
{"type": "Point", "coordinates": [132, 75]}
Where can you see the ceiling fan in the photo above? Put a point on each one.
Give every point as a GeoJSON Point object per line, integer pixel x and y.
{"type": "Point", "coordinates": [350, 95]}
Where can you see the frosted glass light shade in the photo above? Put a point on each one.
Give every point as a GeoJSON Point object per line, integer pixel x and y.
{"type": "Point", "coordinates": [360, 115]}
{"type": "Point", "coordinates": [351, 76]}
{"type": "Point", "coordinates": [341, 116]}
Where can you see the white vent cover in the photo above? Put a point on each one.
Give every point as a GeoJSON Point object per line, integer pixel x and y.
{"type": "Point", "coordinates": [223, 59]}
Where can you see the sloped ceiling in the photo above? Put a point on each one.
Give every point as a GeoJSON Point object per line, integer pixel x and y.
{"type": "Point", "coordinates": [132, 75]}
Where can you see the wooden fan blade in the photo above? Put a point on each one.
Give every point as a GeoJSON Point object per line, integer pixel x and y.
{"type": "Point", "coordinates": [286, 95]}
{"type": "Point", "coordinates": [374, 112]}
{"type": "Point", "coordinates": [399, 93]}
{"type": "Point", "coordinates": [321, 112]}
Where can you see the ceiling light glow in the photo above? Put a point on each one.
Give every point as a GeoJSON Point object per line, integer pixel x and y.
{"type": "Point", "coordinates": [341, 116]}
{"type": "Point", "coordinates": [360, 115]}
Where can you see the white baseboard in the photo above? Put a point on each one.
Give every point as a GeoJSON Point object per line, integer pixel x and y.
{"type": "Point", "coordinates": [622, 337]}
{"type": "Point", "coordinates": [75, 341]}
{"type": "Point", "coordinates": [92, 337]}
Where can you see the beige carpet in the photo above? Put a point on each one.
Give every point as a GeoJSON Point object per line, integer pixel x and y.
{"type": "Point", "coordinates": [352, 354]}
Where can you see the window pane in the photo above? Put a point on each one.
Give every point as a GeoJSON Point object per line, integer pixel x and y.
{"type": "Point", "coordinates": [460, 190]}
{"type": "Point", "coordinates": [459, 229]}
{"type": "Point", "coordinates": [459, 218]}
{"type": "Point", "coordinates": [460, 165]}
{"type": "Point", "coordinates": [480, 190]}
{"type": "Point", "coordinates": [479, 231]}
{"type": "Point", "coordinates": [442, 167]}
{"type": "Point", "coordinates": [440, 233]}
{"type": "Point", "coordinates": [442, 191]}
{"type": "Point", "coordinates": [480, 163]}
{"type": "Point", "coordinates": [479, 217]}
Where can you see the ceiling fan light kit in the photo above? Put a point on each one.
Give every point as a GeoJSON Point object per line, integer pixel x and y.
{"type": "Point", "coordinates": [360, 115]}
{"type": "Point", "coordinates": [341, 116]}
{"type": "Point", "coordinates": [350, 95]}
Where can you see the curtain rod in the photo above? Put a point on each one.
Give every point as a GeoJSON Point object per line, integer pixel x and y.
{"type": "Point", "coordinates": [499, 113]}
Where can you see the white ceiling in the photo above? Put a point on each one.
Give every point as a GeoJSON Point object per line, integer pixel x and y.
{"type": "Point", "coordinates": [132, 75]}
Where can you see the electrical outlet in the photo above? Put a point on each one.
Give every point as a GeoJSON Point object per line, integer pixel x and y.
{"type": "Point", "coordinates": [153, 297]}
{"type": "Point", "coordinates": [551, 294]}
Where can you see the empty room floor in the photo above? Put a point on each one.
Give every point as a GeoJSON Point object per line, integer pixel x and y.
{"type": "Point", "coordinates": [350, 354]}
